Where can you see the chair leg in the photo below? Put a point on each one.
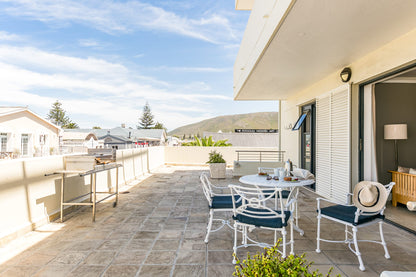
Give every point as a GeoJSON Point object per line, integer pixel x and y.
{"type": "Point", "coordinates": [211, 216]}
{"type": "Point", "coordinates": [357, 251]}
{"type": "Point", "coordinates": [318, 234]}
{"type": "Point", "coordinates": [297, 215]}
{"type": "Point", "coordinates": [346, 233]}
{"type": "Point", "coordinates": [284, 243]}
{"type": "Point", "coordinates": [291, 238]}
{"type": "Point", "coordinates": [275, 237]}
{"type": "Point", "coordinates": [235, 243]}
{"type": "Point", "coordinates": [383, 242]}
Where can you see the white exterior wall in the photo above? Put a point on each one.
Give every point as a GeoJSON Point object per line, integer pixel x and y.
{"type": "Point", "coordinates": [198, 155]}
{"type": "Point", "coordinates": [387, 58]}
{"type": "Point", "coordinates": [29, 198]}
{"type": "Point", "coordinates": [25, 123]}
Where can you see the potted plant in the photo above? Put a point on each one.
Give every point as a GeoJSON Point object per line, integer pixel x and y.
{"type": "Point", "coordinates": [271, 263]}
{"type": "Point", "coordinates": [217, 165]}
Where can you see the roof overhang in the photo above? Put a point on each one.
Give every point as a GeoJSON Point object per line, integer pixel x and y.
{"type": "Point", "coordinates": [289, 45]}
{"type": "Point", "coordinates": [243, 5]}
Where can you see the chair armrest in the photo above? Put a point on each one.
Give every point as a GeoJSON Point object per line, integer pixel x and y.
{"type": "Point", "coordinates": [319, 199]}
{"type": "Point", "coordinates": [218, 187]}
{"type": "Point", "coordinates": [349, 196]}
{"type": "Point", "coordinates": [287, 205]}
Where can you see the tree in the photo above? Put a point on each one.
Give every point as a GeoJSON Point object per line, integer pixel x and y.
{"type": "Point", "coordinates": [159, 125]}
{"type": "Point", "coordinates": [96, 127]}
{"type": "Point", "coordinates": [70, 125]}
{"type": "Point", "coordinates": [146, 120]}
{"type": "Point", "coordinates": [57, 115]}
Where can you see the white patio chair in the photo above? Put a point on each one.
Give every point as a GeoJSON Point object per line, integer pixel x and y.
{"type": "Point", "coordinates": [355, 218]}
{"type": "Point", "coordinates": [253, 213]}
{"type": "Point", "coordinates": [217, 203]}
{"type": "Point", "coordinates": [285, 192]}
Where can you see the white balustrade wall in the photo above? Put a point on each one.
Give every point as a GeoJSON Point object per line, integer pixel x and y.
{"type": "Point", "coordinates": [30, 199]}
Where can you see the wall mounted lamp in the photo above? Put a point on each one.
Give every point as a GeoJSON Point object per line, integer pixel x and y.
{"type": "Point", "coordinates": [345, 74]}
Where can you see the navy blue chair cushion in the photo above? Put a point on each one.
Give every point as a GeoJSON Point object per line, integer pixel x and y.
{"type": "Point", "coordinates": [225, 202]}
{"type": "Point", "coordinates": [262, 222]}
{"type": "Point", "coordinates": [347, 213]}
{"type": "Point", "coordinates": [285, 193]}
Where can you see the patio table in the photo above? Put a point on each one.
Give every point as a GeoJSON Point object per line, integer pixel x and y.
{"type": "Point", "coordinates": [261, 180]}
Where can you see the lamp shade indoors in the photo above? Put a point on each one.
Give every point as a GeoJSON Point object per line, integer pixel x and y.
{"type": "Point", "coordinates": [395, 131]}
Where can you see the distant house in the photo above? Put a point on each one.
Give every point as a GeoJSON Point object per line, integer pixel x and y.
{"type": "Point", "coordinates": [117, 142]}
{"type": "Point", "coordinates": [247, 139]}
{"type": "Point", "coordinates": [25, 134]}
{"type": "Point", "coordinates": [79, 141]}
{"type": "Point", "coordinates": [128, 138]}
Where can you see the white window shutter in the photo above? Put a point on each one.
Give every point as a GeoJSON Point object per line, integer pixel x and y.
{"type": "Point", "coordinates": [333, 158]}
{"type": "Point", "coordinates": [323, 146]}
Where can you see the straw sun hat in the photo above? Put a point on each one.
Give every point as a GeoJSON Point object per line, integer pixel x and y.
{"type": "Point", "coordinates": [369, 196]}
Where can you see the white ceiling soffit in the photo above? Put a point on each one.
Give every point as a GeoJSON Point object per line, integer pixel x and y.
{"type": "Point", "coordinates": [320, 37]}
{"type": "Point", "coordinates": [243, 5]}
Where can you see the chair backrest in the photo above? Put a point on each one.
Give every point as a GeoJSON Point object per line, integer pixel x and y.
{"type": "Point", "coordinates": [206, 187]}
{"type": "Point", "coordinates": [254, 202]}
{"type": "Point", "coordinates": [359, 212]}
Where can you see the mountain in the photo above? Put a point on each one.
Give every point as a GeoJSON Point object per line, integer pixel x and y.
{"type": "Point", "coordinates": [227, 123]}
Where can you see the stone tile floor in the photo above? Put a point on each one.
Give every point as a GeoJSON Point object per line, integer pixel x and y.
{"type": "Point", "coordinates": [158, 228]}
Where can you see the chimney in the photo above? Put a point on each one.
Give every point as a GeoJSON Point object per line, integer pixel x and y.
{"type": "Point", "coordinates": [123, 125]}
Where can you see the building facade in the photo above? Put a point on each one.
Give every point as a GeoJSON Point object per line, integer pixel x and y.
{"type": "Point", "coordinates": [25, 134]}
{"type": "Point", "coordinates": [295, 52]}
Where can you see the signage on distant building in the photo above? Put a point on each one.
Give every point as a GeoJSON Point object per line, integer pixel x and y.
{"type": "Point", "coordinates": [255, 130]}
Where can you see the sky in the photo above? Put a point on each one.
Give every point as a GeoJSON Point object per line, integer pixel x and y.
{"type": "Point", "coordinates": [103, 60]}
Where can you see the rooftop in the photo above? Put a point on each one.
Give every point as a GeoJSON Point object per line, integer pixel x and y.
{"type": "Point", "coordinates": [158, 228]}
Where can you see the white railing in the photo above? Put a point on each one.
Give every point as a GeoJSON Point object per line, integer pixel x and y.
{"type": "Point", "coordinates": [30, 199]}
{"type": "Point", "coordinates": [195, 155]}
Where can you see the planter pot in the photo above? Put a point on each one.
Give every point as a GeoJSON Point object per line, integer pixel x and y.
{"type": "Point", "coordinates": [217, 170]}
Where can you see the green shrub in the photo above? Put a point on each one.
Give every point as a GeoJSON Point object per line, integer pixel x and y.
{"type": "Point", "coordinates": [207, 141]}
{"type": "Point", "coordinates": [215, 158]}
{"type": "Point", "coordinates": [271, 263]}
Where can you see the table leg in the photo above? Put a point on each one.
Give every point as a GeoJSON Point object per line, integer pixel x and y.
{"type": "Point", "coordinates": [94, 195]}
{"type": "Point", "coordinates": [296, 225]}
{"type": "Point", "coordinates": [62, 197]}
{"type": "Point", "coordinates": [90, 188]}
{"type": "Point", "coordinates": [116, 185]}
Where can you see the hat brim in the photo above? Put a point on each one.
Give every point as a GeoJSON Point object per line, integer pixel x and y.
{"type": "Point", "coordinates": [382, 199]}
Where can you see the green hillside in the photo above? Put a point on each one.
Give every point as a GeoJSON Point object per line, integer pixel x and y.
{"type": "Point", "coordinates": [227, 123]}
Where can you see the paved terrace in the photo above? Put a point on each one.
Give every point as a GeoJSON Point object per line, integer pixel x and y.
{"type": "Point", "coordinates": [158, 228]}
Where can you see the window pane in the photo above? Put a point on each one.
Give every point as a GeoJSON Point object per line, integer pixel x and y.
{"type": "Point", "coordinates": [25, 141]}
{"type": "Point", "coordinates": [3, 137]}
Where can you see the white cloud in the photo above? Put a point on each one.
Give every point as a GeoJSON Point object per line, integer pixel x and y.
{"type": "Point", "coordinates": [88, 43]}
{"type": "Point", "coordinates": [95, 91]}
{"type": "Point", "coordinates": [8, 37]}
{"type": "Point", "coordinates": [194, 69]}
{"type": "Point", "coordinates": [124, 17]}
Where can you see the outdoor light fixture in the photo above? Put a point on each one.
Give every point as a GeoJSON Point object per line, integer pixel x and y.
{"type": "Point", "coordinates": [395, 131]}
{"type": "Point", "coordinates": [345, 74]}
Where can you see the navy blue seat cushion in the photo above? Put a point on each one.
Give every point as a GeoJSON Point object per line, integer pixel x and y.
{"type": "Point", "coordinates": [225, 202]}
{"type": "Point", "coordinates": [262, 222]}
{"type": "Point", "coordinates": [347, 213]}
{"type": "Point", "coordinates": [285, 193]}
